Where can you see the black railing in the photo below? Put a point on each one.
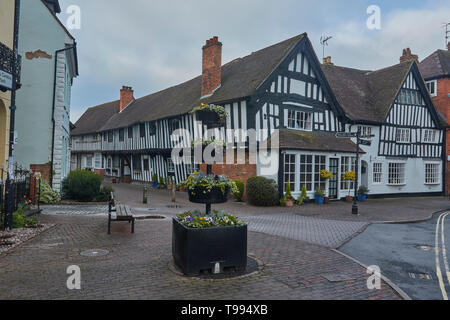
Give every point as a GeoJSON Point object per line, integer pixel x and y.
{"type": "Point", "coordinates": [9, 64]}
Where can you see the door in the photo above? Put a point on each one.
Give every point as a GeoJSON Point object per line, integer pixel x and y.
{"type": "Point", "coordinates": [334, 183]}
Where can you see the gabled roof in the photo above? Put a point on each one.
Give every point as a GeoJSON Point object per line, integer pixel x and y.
{"type": "Point", "coordinates": [95, 117]}
{"type": "Point", "coordinates": [436, 65]}
{"type": "Point", "coordinates": [366, 95]}
{"type": "Point", "coordinates": [240, 79]}
{"type": "Point", "coordinates": [317, 141]}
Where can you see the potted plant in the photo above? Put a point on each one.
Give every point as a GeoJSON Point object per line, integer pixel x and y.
{"type": "Point", "coordinates": [303, 199]}
{"type": "Point", "coordinates": [288, 199]}
{"type": "Point", "coordinates": [200, 241]}
{"type": "Point", "coordinates": [319, 196]}
{"type": "Point", "coordinates": [210, 114]}
{"type": "Point", "coordinates": [349, 176]}
{"type": "Point", "coordinates": [162, 183]}
{"type": "Point", "coordinates": [326, 175]}
{"type": "Point", "coordinates": [155, 181]}
{"type": "Point", "coordinates": [209, 189]}
{"type": "Point", "coordinates": [362, 194]}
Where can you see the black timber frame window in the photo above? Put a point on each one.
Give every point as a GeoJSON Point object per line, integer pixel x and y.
{"type": "Point", "coordinates": [137, 165]}
{"type": "Point", "coordinates": [152, 129]}
{"type": "Point", "coordinates": [146, 164]}
{"type": "Point", "coordinates": [142, 130]}
{"type": "Point", "coordinates": [121, 135]}
{"type": "Point", "coordinates": [175, 124]}
{"type": "Point", "coordinates": [105, 136]}
{"type": "Point", "coordinates": [110, 136]}
{"type": "Point", "coordinates": [130, 132]}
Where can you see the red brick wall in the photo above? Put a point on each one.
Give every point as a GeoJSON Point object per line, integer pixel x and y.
{"type": "Point", "coordinates": [100, 172]}
{"type": "Point", "coordinates": [234, 171]}
{"type": "Point", "coordinates": [442, 103]}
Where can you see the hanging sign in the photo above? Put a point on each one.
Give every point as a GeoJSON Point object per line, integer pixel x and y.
{"type": "Point", "coordinates": [6, 80]}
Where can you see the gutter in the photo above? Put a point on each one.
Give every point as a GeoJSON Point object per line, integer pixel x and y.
{"type": "Point", "coordinates": [73, 47]}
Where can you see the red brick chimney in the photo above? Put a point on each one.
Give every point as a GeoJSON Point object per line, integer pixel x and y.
{"type": "Point", "coordinates": [408, 56]}
{"type": "Point", "coordinates": [212, 66]}
{"type": "Point", "coordinates": [126, 96]}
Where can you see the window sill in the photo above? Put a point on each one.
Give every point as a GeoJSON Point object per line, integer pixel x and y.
{"type": "Point", "coordinates": [396, 184]}
{"type": "Point", "coordinates": [432, 184]}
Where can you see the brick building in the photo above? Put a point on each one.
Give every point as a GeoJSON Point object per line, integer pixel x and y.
{"type": "Point", "coordinates": [435, 70]}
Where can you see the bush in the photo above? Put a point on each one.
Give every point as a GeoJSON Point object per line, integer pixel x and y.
{"type": "Point", "coordinates": [262, 192]}
{"type": "Point", "coordinates": [48, 195]}
{"type": "Point", "coordinates": [105, 194]}
{"type": "Point", "coordinates": [239, 194]}
{"type": "Point", "coordinates": [20, 219]}
{"type": "Point", "coordinates": [82, 185]}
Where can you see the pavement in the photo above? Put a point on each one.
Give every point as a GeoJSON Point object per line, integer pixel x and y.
{"type": "Point", "coordinates": [407, 254]}
{"type": "Point", "coordinates": [295, 246]}
{"type": "Point", "coordinates": [137, 267]}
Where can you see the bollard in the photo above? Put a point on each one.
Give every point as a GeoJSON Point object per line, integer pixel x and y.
{"type": "Point", "coordinates": [145, 195]}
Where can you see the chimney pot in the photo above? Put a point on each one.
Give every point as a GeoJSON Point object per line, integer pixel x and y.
{"type": "Point", "coordinates": [408, 56]}
{"type": "Point", "coordinates": [212, 66]}
{"type": "Point", "coordinates": [126, 96]}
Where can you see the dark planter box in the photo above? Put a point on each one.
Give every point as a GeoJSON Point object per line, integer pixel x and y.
{"type": "Point", "coordinates": [209, 117]}
{"type": "Point", "coordinates": [195, 250]}
{"type": "Point", "coordinates": [216, 195]}
{"type": "Point", "coordinates": [362, 197]}
{"type": "Point", "coordinates": [319, 199]}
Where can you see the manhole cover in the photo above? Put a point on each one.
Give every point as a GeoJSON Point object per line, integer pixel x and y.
{"type": "Point", "coordinates": [174, 206]}
{"type": "Point", "coordinates": [95, 253]}
{"type": "Point", "coordinates": [339, 277]}
{"type": "Point", "coordinates": [150, 218]}
{"type": "Point", "coordinates": [420, 276]}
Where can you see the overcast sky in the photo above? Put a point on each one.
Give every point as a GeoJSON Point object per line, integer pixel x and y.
{"type": "Point", "coordinates": [151, 44]}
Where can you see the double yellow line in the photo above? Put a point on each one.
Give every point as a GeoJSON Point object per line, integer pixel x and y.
{"type": "Point", "coordinates": [440, 227]}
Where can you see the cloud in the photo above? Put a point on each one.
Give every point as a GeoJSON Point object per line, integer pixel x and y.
{"type": "Point", "coordinates": [152, 45]}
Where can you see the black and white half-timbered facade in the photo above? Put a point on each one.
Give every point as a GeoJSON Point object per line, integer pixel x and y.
{"type": "Point", "coordinates": [286, 95]}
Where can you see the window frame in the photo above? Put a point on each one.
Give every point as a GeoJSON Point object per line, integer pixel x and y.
{"type": "Point", "coordinates": [437, 178]}
{"type": "Point", "coordinates": [377, 172]}
{"type": "Point", "coordinates": [400, 174]}
{"type": "Point", "coordinates": [399, 135]}
{"type": "Point", "coordinates": [434, 92]}
{"type": "Point", "coordinates": [296, 119]}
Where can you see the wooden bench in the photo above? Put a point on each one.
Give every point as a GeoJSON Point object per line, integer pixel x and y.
{"type": "Point", "coordinates": [119, 213]}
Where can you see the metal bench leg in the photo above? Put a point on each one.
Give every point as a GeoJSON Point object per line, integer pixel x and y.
{"type": "Point", "coordinates": [132, 226]}
{"type": "Point", "coordinates": [109, 223]}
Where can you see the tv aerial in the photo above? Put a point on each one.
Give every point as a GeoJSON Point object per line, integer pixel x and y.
{"type": "Point", "coordinates": [324, 42]}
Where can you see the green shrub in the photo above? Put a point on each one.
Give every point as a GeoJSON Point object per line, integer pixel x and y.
{"type": "Point", "coordinates": [238, 195]}
{"type": "Point", "coordinates": [20, 219]}
{"type": "Point", "coordinates": [105, 194]}
{"type": "Point", "coordinates": [162, 183]}
{"type": "Point", "coordinates": [82, 185]}
{"type": "Point", "coordinates": [262, 192]}
{"type": "Point", "coordinates": [155, 177]}
{"type": "Point", "coordinates": [48, 195]}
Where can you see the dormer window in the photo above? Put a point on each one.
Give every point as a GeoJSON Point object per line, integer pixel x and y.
{"type": "Point", "coordinates": [300, 120]}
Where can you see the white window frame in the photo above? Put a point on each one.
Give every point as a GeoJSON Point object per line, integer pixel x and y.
{"type": "Point", "coordinates": [298, 118]}
{"type": "Point", "coordinates": [403, 135]}
{"type": "Point", "coordinates": [377, 173]}
{"type": "Point", "coordinates": [365, 131]}
{"type": "Point", "coordinates": [429, 136]}
{"type": "Point", "coordinates": [437, 172]}
{"type": "Point", "coordinates": [434, 92]}
{"type": "Point", "coordinates": [401, 176]}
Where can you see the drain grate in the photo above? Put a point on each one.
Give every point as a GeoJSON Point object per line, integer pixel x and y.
{"type": "Point", "coordinates": [420, 276]}
{"type": "Point", "coordinates": [94, 253]}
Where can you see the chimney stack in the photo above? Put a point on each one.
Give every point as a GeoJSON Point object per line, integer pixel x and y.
{"type": "Point", "coordinates": [327, 61]}
{"type": "Point", "coordinates": [212, 66]}
{"type": "Point", "coordinates": [408, 56]}
{"type": "Point", "coordinates": [126, 97]}
{"type": "Point", "coordinates": [448, 46]}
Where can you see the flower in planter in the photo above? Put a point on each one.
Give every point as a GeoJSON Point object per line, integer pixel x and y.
{"type": "Point", "coordinates": [208, 182]}
{"type": "Point", "coordinates": [196, 219]}
{"type": "Point", "coordinates": [221, 112]}
{"type": "Point", "coordinates": [326, 175]}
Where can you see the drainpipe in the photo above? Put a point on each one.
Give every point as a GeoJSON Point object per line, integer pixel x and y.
{"type": "Point", "coordinates": [54, 106]}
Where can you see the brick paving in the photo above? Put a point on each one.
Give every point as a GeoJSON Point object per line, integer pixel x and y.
{"type": "Point", "coordinates": [328, 233]}
{"type": "Point", "coordinates": [137, 267]}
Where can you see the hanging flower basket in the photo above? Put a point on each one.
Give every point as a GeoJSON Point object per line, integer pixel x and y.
{"type": "Point", "coordinates": [210, 114]}
{"type": "Point", "coordinates": [205, 196]}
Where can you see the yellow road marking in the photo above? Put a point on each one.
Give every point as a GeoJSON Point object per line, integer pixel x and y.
{"type": "Point", "coordinates": [438, 267]}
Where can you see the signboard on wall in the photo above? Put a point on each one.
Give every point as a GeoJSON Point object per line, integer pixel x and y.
{"type": "Point", "coordinates": [6, 80]}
